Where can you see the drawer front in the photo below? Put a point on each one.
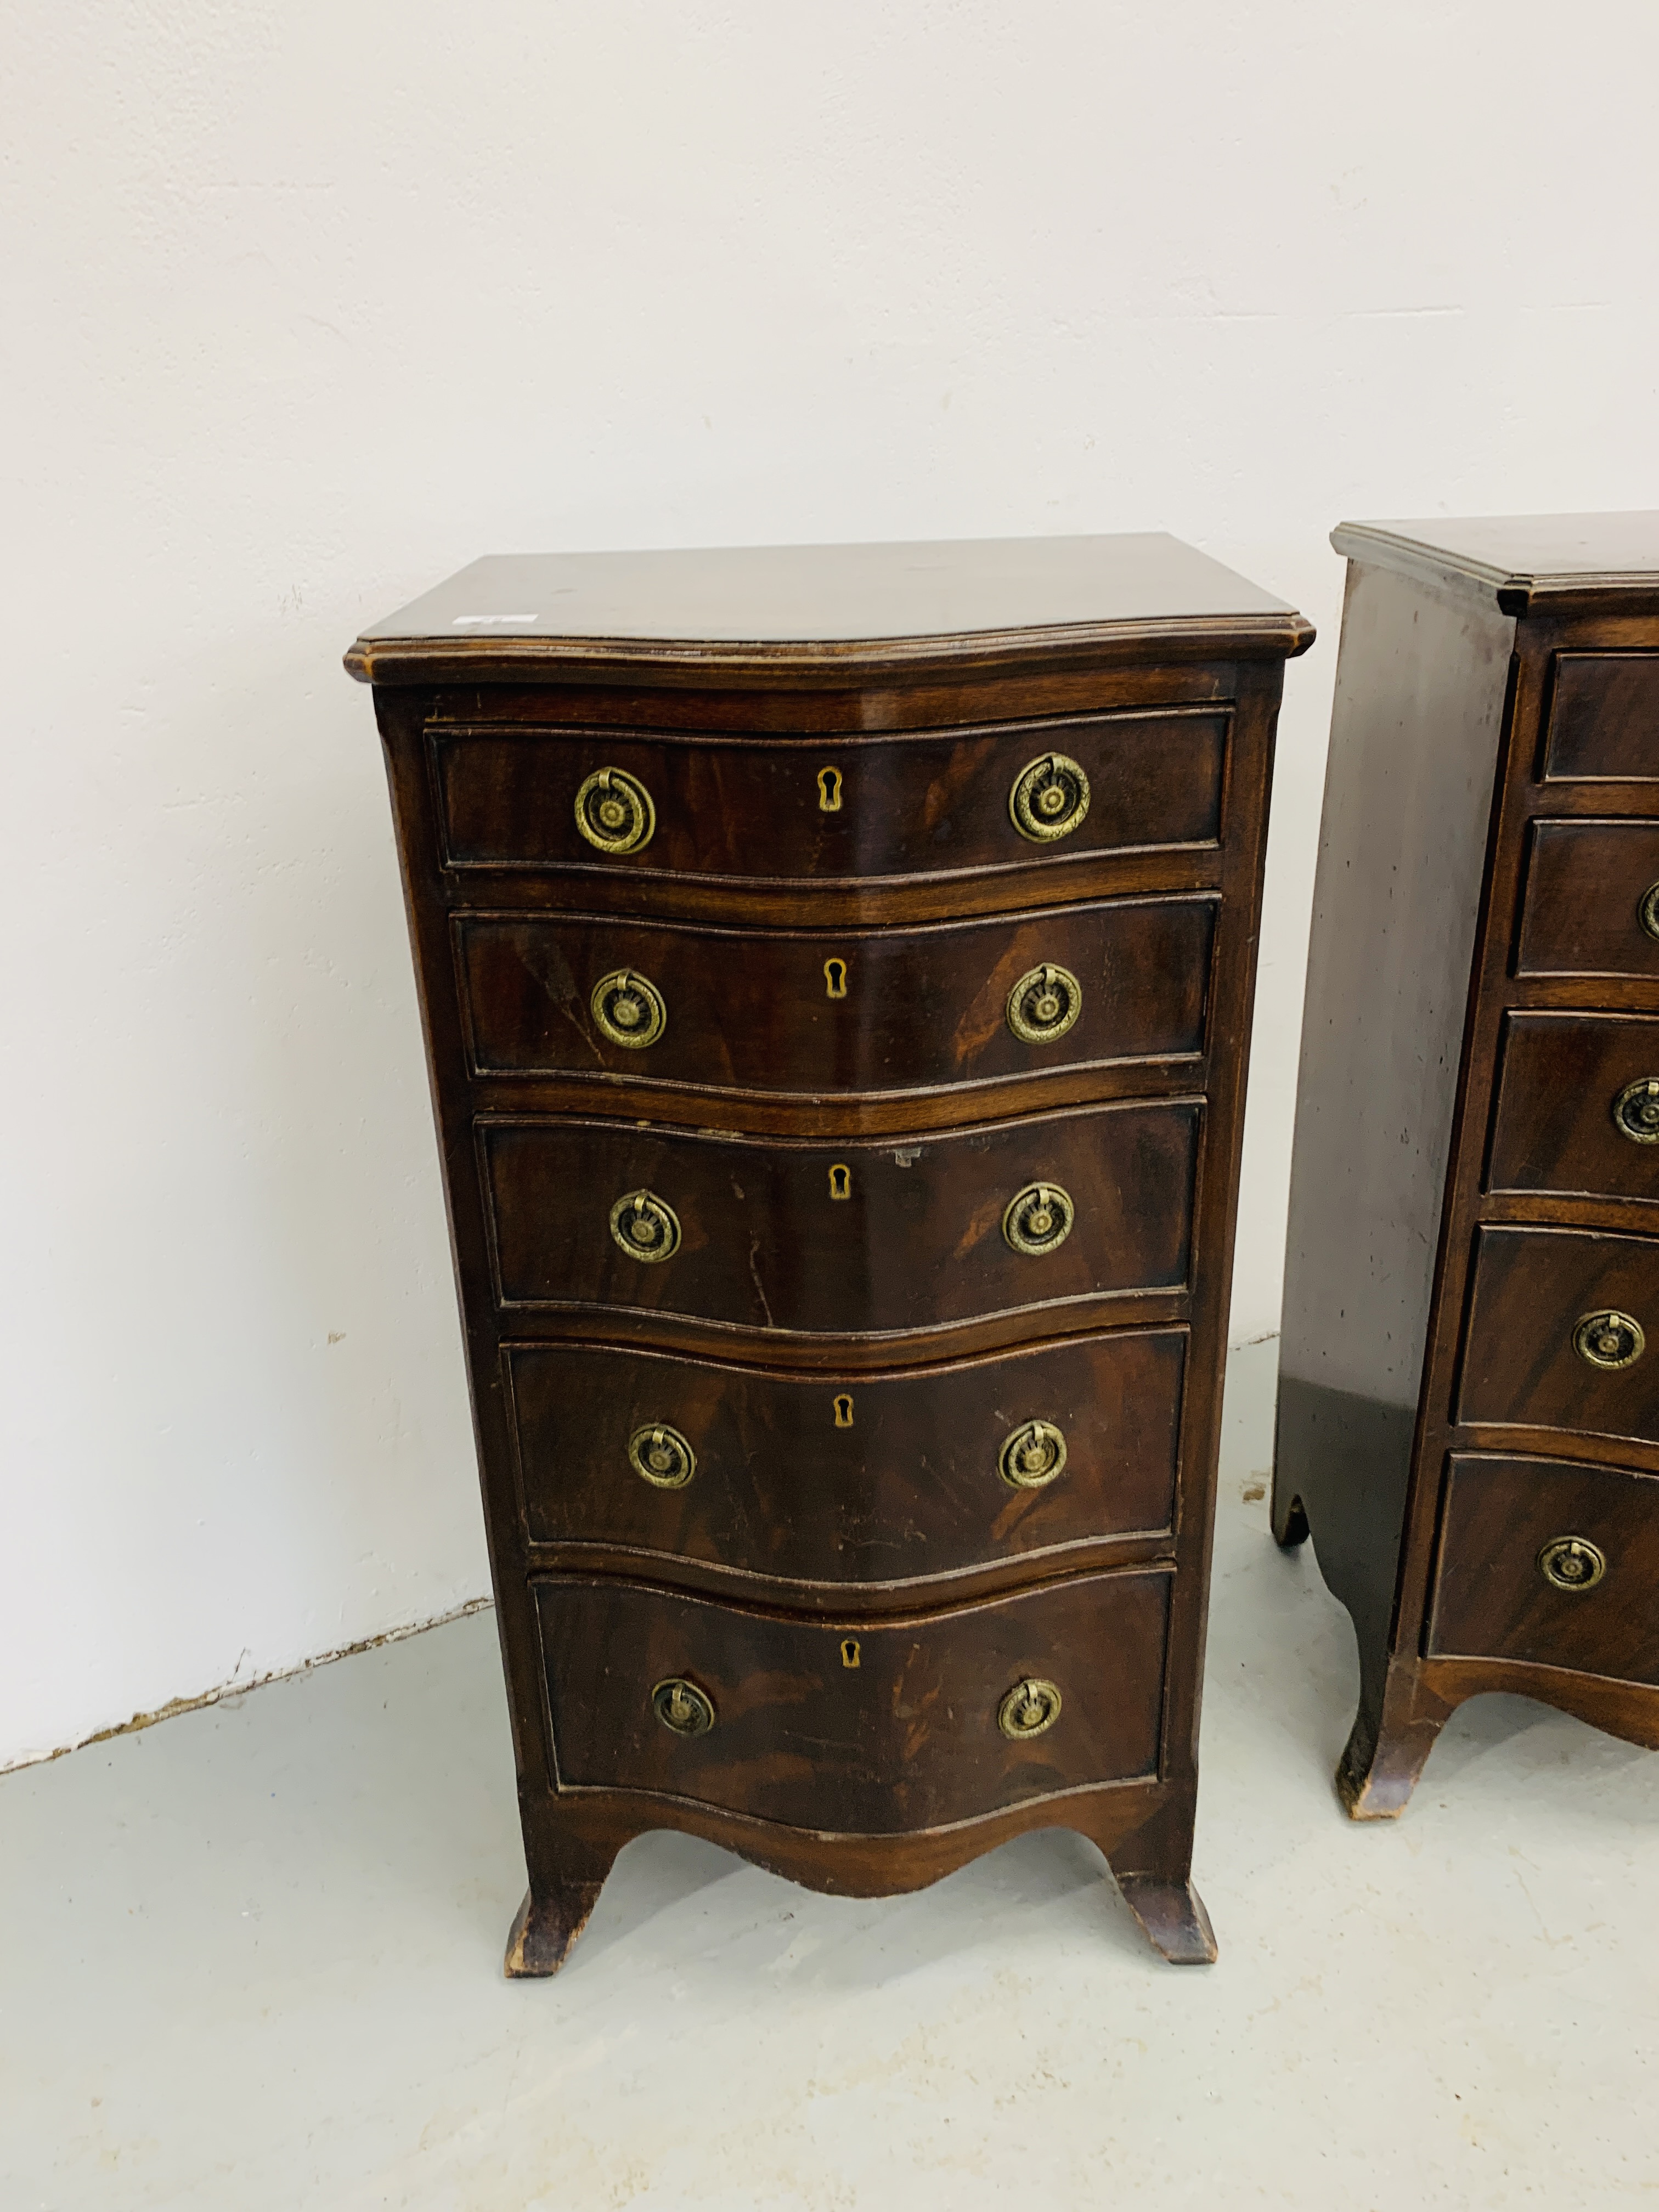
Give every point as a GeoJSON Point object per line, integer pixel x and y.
{"type": "Point", "coordinates": [1592, 900]}
{"type": "Point", "coordinates": [874, 1478]}
{"type": "Point", "coordinates": [1604, 718]}
{"type": "Point", "coordinates": [1533, 1287]}
{"type": "Point", "coordinates": [826, 809]}
{"type": "Point", "coordinates": [1550, 1564]}
{"type": "Point", "coordinates": [762, 1236]}
{"type": "Point", "coordinates": [853, 1726]}
{"type": "Point", "coordinates": [811, 1011]}
{"type": "Point", "coordinates": [1578, 1107]}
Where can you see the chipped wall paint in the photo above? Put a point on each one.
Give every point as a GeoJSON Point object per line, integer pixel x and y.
{"type": "Point", "coordinates": [308, 306]}
{"type": "Point", "coordinates": [239, 1685]}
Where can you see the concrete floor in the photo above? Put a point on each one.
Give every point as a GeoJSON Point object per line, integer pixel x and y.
{"type": "Point", "coordinates": [250, 1958]}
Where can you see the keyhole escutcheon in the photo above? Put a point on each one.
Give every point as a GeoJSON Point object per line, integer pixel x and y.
{"type": "Point", "coordinates": [835, 979]}
{"type": "Point", "coordinates": [843, 1412]}
{"type": "Point", "coordinates": [830, 791]}
{"type": "Point", "coordinates": [849, 1651]}
{"type": "Point", "coordinates": [841, 1181]}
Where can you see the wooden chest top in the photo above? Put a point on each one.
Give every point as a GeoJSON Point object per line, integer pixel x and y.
{"type": "Point", "coordinates": [834, 608]}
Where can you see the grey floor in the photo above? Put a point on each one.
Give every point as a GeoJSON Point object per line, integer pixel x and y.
{"type": "Point", "coordinates": [250, 1958]}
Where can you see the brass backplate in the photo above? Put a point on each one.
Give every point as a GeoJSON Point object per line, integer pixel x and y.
{"type": "Point", "coordinates": [614, 811]}
{"type": "Point", "coordinates": [1572, 1563]}
{"type": "Point", "coordinates": [1609, 1340]}
{"type": "Point", "coordinates": [645, 1226]}
{"type": "Point", "coordinates": [1635, 1110]}
{"type": "Point", "coordinates": [1033, 1457]}
{"type": "Point", "coordinates": [1043, 1005]}
{"type": "Point", "coordinates": [1049, 798]}
{"type": "Point", "coordinates": [682, 1707]}
{"type": "Point", "coordinates": [661, 1456]}
{"type": "Point", "coordinates": [1031, 1708]}
{"type": "Point", "coordinates": [628, 1009]}
{"type": "Point", "coordinates": [1038, 1219]}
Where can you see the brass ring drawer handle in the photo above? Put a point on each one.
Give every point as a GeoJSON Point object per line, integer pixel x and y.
{"type": "Point", "coordinates": [628, 1009]}
{"type": "Point", "coordinates": [1572, 1563]}
{"type": "Point", "coordinates": [1033, 1457]}
{"type": "Point", "coordinates": [1049, 798]}
{"type": "Point", "coordinates": [682, 1707]}
{"type": "Point", "coordinates": [1038, 1219]}
{"type": "Point", "coordinates": [1043, 1004]}
{"type": "Point", "coordinates": [661, 1456]}
{"type": "Point", "coordinates": [1609, 1340]}
{"type": "Point", "coordinates": [645, 1227]}
{"type": "Point", "coordinates": [1031, 1708]}
{"type": "Point", "coordinates": [1635, 1110]}
{"type": "Point", "coordinates": [1647, 910]}
{"type": "Point", "coordinates": [614, 811]}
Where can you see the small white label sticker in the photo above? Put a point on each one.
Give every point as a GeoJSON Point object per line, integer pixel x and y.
{"type": "Point", "coordinates": [486, 622]}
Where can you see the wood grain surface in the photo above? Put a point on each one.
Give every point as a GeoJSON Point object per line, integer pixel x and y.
{"type": "Point", "coordinates": [859, 1011]}
{"type": "Point", "coordinates": [906, 1738]}
{"type": "Point", "coordinates": [1585, 885]}
{"type": "Point", "coordinates": [849, 1479]}
{"type": "Point", "coordinates": [915, 1247]}
{"type": "Point", "coordinates": [753, 809]}
{"type": "Point", "coordinates": [1561, 1078]}
{"type": "Point", "coordinates": [1492, 1599]}
{"type": "Point", "coordinates": [1604, 718]}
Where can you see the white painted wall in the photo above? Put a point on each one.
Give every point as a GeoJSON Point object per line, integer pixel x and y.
{"type": "Point", "coordinates": [305, 305]}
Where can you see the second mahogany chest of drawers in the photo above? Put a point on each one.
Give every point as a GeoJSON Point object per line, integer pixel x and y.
{"type": "Point", "coordinates": [836, 970]}
{"type": "Point", "coordinates": [1468, 1415]}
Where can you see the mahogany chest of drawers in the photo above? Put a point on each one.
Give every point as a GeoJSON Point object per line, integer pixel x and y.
{"type": "Point", "coordinates": [836, 970]}
{"type": "Point", "coordinates": [1469, 1417]}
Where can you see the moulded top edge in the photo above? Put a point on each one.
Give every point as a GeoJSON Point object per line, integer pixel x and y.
{"type": "Point", "coordinates": [826, 609]}
{"type": "Point", "coordinates": [1521, 562]}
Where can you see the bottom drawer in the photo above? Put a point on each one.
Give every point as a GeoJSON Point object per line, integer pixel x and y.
{"type": "Point", "coordinates": [872, 1728]}
{"type": "Point", "coordinates": [1551, 1564]}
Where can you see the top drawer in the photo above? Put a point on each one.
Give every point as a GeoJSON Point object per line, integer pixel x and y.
{"type": "Point", "coordinates": [1604, 719]}
{"type": "Point", "coordinates": [828, 810]}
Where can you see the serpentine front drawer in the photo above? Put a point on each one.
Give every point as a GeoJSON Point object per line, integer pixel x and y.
{"type": "Point", "coordinates": [839, 808]}
{"type": "Point", "coordinates": [824, 1482]}
{"type": "Point", "coordinates": [1559, 1320]}
{"type": "Point", "coordinates": [869, 1238]}
{"type": "Point", "coordinates": [913, 1723]}
{"type": "Point", "coordinates": [1592, 900]}
{"type": "Point", "coordinates": [803, 1012]}
{"type": "Point", "coordinates": [1578, 1107]}
{"type": "Point", "coordinates": [1604, 718]}
{"type": "Point", "coordinates": [1550, 1563]}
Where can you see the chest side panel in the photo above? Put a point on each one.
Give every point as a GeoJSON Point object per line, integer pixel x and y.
{"type": "Point", "coordinates": [1415, 740]}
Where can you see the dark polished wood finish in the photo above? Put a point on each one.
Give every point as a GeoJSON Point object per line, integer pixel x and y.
{"type": "Point", "coordinates": [888, 1480]}
{"type": "Point", "coordinates": [751, 1012]}
{"type": "Point", "coordinates": [1604, 718]}
{"type": "Point", "coordinates": [914, 1247]}
{"type": "Point", "coordinates": [1561, 1078]}
{"type": "Point", "coordinates": [1473, 1182]}
{"type": "Point", "coordinates": [1490, 1599]}
{"type": "Point", "coordinates": [753, 811]}
{"type": "Point", "coordinates": [825, 1522]}
{"type": "Point", "coordinates": [1585, 885]}
{"type": "Point", "coordinates": [1529, 1289]}
{"type": "Point", "coordinates": [855, 1726]}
